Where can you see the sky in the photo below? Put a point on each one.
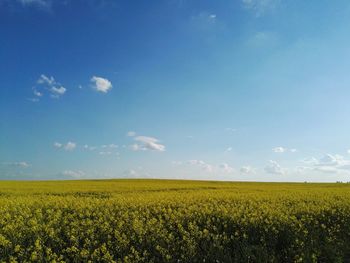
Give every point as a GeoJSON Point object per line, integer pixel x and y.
{"type": "Point", "coordinates": [241, 90]}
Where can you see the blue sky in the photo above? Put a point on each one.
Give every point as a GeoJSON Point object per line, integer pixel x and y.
{"type": "Point", "coordinates": [219, 90]}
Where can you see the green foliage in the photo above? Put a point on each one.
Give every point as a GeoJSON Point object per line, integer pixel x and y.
{"type": "Point", "coordinates": [173, 221]}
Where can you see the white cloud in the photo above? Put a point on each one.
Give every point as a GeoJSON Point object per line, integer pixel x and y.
{"type": "Point", "coordinates": [56, 92]}
{"type": "Point", "coordinates": [145, 143]}
{"type": "Point", "coordinates": [247, 170]}
{"type": "Point", "coordinates": [49, 84]}
{"type": "Point", "coordinates": [69, 146]}
{"type": "Point", "coordinates": [332, 160]}
{"type": "Point", "coordinates": [17, 164]}
{"type": "Point", "coordinates": [101, 84]}
{"type": "Point", "coordinates": [336, 160]}
{"type": "Point", "coordinates": [274, 168]}
{"type": "Point", "coordinates": [131, 134]}
{"type": "Point", "coordinates": [293, 150]}
{"type": "Point", "coordinates": [279, 150]}
{"type": "Point", "coordinates": [43, 79]}
{"type": "Point", "coordinates": [329, 163]}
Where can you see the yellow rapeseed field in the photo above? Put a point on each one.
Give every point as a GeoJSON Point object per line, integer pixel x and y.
{"type": "Point", "coordinates": [173, 221]}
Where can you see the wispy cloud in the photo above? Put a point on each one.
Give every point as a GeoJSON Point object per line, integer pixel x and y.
{"type": "Point", "coordinates": [57, 144]}
{"type": "Point", "coordinates": [43, 79]}
{"type": "Point", "coordinates": [37, 93]}
{"type": "Point", "coordinates": [247, 170]}
{"type": "Point", "coordinates": [17, 164]}
{"type": "Point", "coordinates": [101, 84]}
{"type": "Point", "coordinates": [231, 130]}
{"type": "Point", "coordinates": [112, 146]}
{"type": "Point", "coordinates": [88, 147]}
{"type": "Point", "coordinates": [44, 4]}
{"type": "Point", "coordinates": [262, 39]}
{"type": "Point", "coordinates": [131, 173]}
{"type": "Point", "coordinates": [74, 174]}
{"type": "Point", "coordinates": [136, 173]}
{"type": "Point", "coordinates": [228, 149]}
{"type": "Point", "coordinates": [201, 164]}
{"type": "Point", "coordinates": [33, 99]}
{"type": "Point", "coordinates": [204, 20]}
{"type": "Point", "coordinates": [260, 7]}
{"type": "Point", "coordinates": [131, 134]}
{"type": "Point", "coordinates": [222, 168]}
{"type": "Point", "coordinates": [55, 88]}
{"type": "Point", "coordinates": [309, 161]}
{"type": "Point", "coordinates": [281, 149]}
{"type": "Point", "coordinates": [105, 153]}
{"type": "Point", "coordinates": [274, 168]}
{"type": "Point", "coordinates": [49, 86]}
{"type": "Point", "coordinates": [331, 162]}
{"type": "Point", "coordinates": [69, 146]}
{"type": "Point", "coordinates": [225, 168]}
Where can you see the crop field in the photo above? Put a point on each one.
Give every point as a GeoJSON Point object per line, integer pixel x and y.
{"type": "Point", "coordinates": [173, 221]}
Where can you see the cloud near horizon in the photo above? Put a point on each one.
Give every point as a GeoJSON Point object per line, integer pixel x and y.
{"type": "Point", "coordinates": [274, 168]}
{"type": "Point", "coordinates": [222, 168]}
{"type": "Point", "coordinates": [330, 163]}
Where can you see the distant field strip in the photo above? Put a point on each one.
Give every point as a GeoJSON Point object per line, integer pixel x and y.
{"type": "Point", "coordinates": [173, 221]}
